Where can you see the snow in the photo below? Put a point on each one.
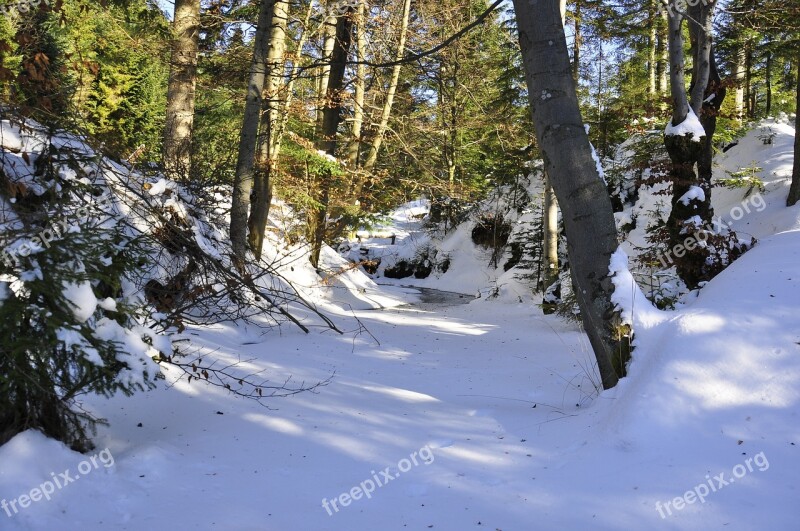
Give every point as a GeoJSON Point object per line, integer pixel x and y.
{"type": "Point", "coordinates": [73, 338]}
{"type": "Point", "coordinates": [159, 187]}
{"type": "Point", "coordinates": [689, 126]}
{"type": "Point", "coordinates": [694, 193]}
{"type": "Point", "coordinates": [81, 299]}
{"type": "Point", "coordinates": [471, 270]}
{"type": "Point", "coordinates": [628, 298]}
{"type": "Point", "coordinates": [596, 158]}
{"type": "Point", "coordinates": [502, 398]}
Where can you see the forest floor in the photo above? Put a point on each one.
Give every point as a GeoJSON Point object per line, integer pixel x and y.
{"type": "Point", "coordinates": [493, 404]}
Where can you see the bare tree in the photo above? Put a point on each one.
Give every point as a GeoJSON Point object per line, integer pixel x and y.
{"type": "Point", "coordinates": [585, 205]}
{"type": "Point", "coordinates": [177, 144]}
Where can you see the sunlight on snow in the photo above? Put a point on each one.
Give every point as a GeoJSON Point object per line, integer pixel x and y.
{"type": "Point", "coordinates": [741, 379]}
{"type": "Point", "coordinates": [444, 325]}
{"type": "Point", "coordinates": [402, 394]}
{"type": "Point", "coordinates": [274, 423]}
{"type": "Point", "coordinates": [701, 324]}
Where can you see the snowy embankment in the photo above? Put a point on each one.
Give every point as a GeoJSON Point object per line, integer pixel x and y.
{"type": "Point", "coordinates": [483, 413]}
{"type": "Point", "coordinates": [470, 268]}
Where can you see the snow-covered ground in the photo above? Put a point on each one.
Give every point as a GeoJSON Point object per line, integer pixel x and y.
{"type": "Point", "coordinates": [484, 413]}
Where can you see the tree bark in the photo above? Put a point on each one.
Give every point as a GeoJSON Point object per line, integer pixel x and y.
{"type": "Point", "coordinates": [550, 229]}
{"type": "Point", "coordinates": [177, 145]}
{"type": "Point", "coordinates": [331, 117]}
{"type": "Point", "coordinates": [713, 97]}
{"type": "Point", "coordinates": [663, 47]}
{"type": "Point", "coordinates": [652, 50]}
{"type": "Point", "coordinates": [739, 70]}
{"type": "Point", "coordinates": [700, 34]}
{"type": "Point", "coordinates": [749, 95]}
{"type": "Point", "coordinates": [584, 201]}
{"type": "Point", "coordinates": [377, 141]}
{"type": "Point", "coordinates": [685, 152]}
{"type": "Point", "coordinates": [288, 98]}
{"type": "Point", "coordinates": [768, 84]}
{"type": "Point", "coordinates": [354, 149]}
{"type": "Point", "coordinates": [245, 163]}
{"type": "Point", "coordinates": [328, 43]}
{"type": "Point", "coordinates": [794, 189]}
{"type": "Point", "coordinates": [267, 155]}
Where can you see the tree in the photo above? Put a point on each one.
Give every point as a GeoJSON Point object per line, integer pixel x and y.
{"type": "Point", "coordinates": [329, 126]}
{"type": "Point", "coordinates": [354, 149]}
{"type": "Point", "coordinates": [585, 205]}
{"type": "Point", "coordinates": [377, 140]}
{"type": "Point", "coordinates": [794, 190]}
{"type": "Point", "coordinates": [550, 244]}
{"type": "Point", "coordinates": [269, 138]}
{"type": "Point", "coordinates": [245, 164]}
{"type": "Point", "coordinates": [686, 145]}
{"type": "Point", "coordinates": [177, 148]}
{"type": "Point", "coordinates": [71, 329]}
{"type": "Point", "coordinates": [689, 143]}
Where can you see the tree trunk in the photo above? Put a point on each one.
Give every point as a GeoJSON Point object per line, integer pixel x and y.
{"type": "Point", "coordinates": [286, 104]}
{"type": "Point", "coordinates": [652, 50]}
{"type": "Point", "coordinates": [713, 97]}
{"type": "Point", "coordinates": [372, 155]}
{"type": "Point", "coordinates": [331, 117]}
{"type": "Point", "coordinates": [550, 229]}
{"type": "Point", "coordinates": [663, 60]}
{"type": "Point", "coordinates": [739, 70]}
{"type": "Point", "coordinates": [768, 84]}
{"type": "Point", "coordinates": [749, 95]}
{"type": "Point", "coordinates": [576, 45]}
{"type": "Point", "coordinates": [177, 146]}
{"type": "Point", "coordinates": [794, 190]}
{"type": "Point", "coordinates": [354, 148]}
{"type": "Point", "coordinates": [329, 41]}
{"type": "Point", "coordinates": [584, 201]}
{"type": "Point", "coordinates": [700, 35]}
{"type": "Point", "coordinates": [245, 163]}
{"type": "Point", "coordinates": [685, 152]}
{"type": "Point", "coordinates": [267, 154]}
